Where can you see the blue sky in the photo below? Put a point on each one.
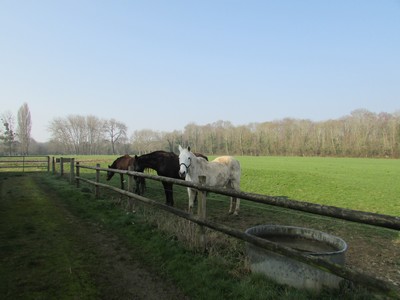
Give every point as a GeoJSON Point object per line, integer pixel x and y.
{"type": "Point", "coordinates": [161, 65]}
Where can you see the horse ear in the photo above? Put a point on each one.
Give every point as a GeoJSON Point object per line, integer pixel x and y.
{"type": "Point", "coordinates": [135, 156]}
{"type": "Point", "coordinates": [180, 148]}
{"type": "Point", "coordinates": [189, 148]}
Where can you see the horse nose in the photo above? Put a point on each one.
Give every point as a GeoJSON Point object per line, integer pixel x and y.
{"type": "Point", "coordinates": [182, 174]}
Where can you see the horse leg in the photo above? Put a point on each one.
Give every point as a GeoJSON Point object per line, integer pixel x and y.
{"type": "Point", "coordinates": [122, 181]}
{"type": "Point", "coordinates": [168, 193]}
{"type": "Point", "coordinates": [142, 186]}
{"type": "Point", "coordinates": [231, 206]}
{"type": "Point", "coordinates": [192, 195]}
{"type": "Point", "coordinates": [122, 187]}
{"type": "Point", "coordinates": [138, 189]}
{"type": "Point", "coordinates": [234, 206]}
{"type": "Point", "coordinates": [235, 202]}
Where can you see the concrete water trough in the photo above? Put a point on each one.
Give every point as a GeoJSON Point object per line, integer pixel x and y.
{"type": "Point", "coordinates": [285, 270]}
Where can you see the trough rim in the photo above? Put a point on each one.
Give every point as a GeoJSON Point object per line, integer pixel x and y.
{"type": "Point", "coordinates": [343, 245]}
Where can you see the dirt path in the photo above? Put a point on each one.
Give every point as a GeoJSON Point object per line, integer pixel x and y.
{"type": "Point", "coordinates": [120, 275]}
{"type": "Point", "coordinates": [116, 273]}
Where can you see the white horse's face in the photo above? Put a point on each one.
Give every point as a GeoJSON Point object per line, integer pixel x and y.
{"type": "Point", "coordinates": [185, 161]}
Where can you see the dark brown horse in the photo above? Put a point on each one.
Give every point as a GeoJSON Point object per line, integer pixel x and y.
{"type": "Point", "coordinates": [123, 163]}
{"type": "Point", "coordinates": [165, 164]}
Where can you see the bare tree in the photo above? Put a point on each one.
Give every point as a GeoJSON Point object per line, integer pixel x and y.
{"type": "Point", "coordinates": [24, 128]}
{"type": "Point", "coordinates": [147, 140]}
{"type": "Point", "coordinates": [172, 139]}
{"type": "Point", "coordinates": [116, 132]}
{"type": "Point", "coordinates": [70, 133]}
{"type": "Point", "coordinates": [96, 133]}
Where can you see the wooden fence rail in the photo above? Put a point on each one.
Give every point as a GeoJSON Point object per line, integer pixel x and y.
{"type": "Point", "coordinates": [368, 218]}
{"type": "Point", "coordinates": [374, 219]}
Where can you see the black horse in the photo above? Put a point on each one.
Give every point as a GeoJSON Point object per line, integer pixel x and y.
{"type": "Point", "coordinates": [165, 164]}
{"type": "Point", "coordinates": [123, 163]}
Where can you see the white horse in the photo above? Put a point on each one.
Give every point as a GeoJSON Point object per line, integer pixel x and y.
{"type": "Point", "coordinates": [224, 171]}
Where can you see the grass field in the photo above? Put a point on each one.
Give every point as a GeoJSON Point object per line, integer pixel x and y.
{"type": "Point", "coordinates": [363, 184]}
{"type": "Point", "coordinates": [356, 183]}
{"type": "Point", "coordinates": [59, 243]}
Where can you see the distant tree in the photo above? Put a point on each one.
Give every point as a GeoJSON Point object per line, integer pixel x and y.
{"type": "Point", "coordinates": [62, 135]}
{"type": "Point", "coordinates": [78, 134]}
{"type": "Point", "coordinates": [147, 140]}
{"type": "Point", "coordinates": [172, 140]}
{"type": "Point", "coordinates": [116, 132]}
{"type": "Point", "coordinates": [8, 136]}
{"type": "Point", "coordinates": [24, 128]}
{"type": "Point", "coordinates": [96, 129]}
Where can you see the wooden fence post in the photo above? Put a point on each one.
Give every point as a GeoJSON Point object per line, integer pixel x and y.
{"type": "Point", "coordinates": [54, 165]}
{"type": "Point", "coordinates": [201, 212]}
{"type": "Point", "coordinates": [72, 171]}
{"type": "Point", "coordinates": [48, 163]}
{"type": "Point", "coordinates": [62, 166]}
{"type": "Point", "coordinates": [97, 189]}
{"type": "Point", "coordinates": [77, 174]}
{"type": "Point", "coordinates": [131, 187]}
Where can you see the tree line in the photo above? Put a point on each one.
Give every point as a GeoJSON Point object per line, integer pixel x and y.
{"type": "Point", "coordinates": [360, 134]}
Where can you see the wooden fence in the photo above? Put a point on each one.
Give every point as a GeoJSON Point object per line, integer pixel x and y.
{"type": "Point", "coordinates": [25, 163]}
{"type": "Point", "coordinates": [200, 219]}
{"type": "Point", "coordinates": [61, 162]}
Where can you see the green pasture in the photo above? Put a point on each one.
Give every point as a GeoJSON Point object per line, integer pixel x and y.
{"type": "Point", "coordinates": [356, 183]}
{"type": "Point", "coordinates": [362, 184]}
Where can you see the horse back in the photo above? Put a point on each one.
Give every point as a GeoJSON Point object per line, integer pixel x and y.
{"type": "Point", "coordinates": [233, 167]}
{"type": "Point", "coordinates": [229, 161]}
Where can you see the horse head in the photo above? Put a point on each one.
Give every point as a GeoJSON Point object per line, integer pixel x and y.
{"type": "Point", "coordinates": [185, 160]}
{"type": "Point", "coordinates": [110, 174]}
{"type": "Point", "coordinates": [136, 164]}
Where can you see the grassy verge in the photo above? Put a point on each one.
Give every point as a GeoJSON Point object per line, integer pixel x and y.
{"type": "Point", "coordinates": [200, 276]}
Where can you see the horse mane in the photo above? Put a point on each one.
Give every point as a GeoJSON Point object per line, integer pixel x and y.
{"type": "Point", "coordinates": [200, 155]}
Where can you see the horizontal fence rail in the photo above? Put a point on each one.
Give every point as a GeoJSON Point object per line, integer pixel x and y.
{"type": "Point", "coordinates": [374, 219]}
{"type": "Point", "coordinates": [346, 214]}
{"type": "Point", "coordinates": [25, 163]}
